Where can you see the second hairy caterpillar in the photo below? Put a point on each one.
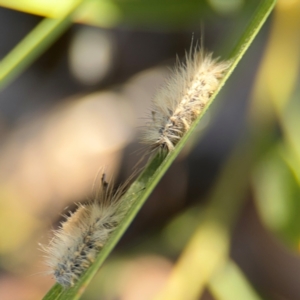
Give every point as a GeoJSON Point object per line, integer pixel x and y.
{"type": "Point", "coordinates": [78, 241]}
{"type": "Point", "coordinates": [185, 95]}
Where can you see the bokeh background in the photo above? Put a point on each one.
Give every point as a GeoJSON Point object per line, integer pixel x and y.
{"type": "Point", "coordinates": [80, 107]}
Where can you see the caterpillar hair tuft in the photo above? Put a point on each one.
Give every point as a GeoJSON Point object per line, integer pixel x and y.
{"type": "Point", "coordinates": [186, 93]}
{"type": "Point", "coordinates": [80, 238]}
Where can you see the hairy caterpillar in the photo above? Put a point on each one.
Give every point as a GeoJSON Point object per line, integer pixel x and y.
{"type": "Point", "coordinates": [77, 242]}
{"type": "Point", "coordinates": [185, 95]}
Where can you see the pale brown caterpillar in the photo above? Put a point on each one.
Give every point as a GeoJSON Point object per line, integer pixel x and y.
{"type": "Point", "coordinates": [80, 238]}
{"type": "Point", "coordinates": [186, 93]}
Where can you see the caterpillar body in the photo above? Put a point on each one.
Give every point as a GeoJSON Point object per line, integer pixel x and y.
{"type": "Point", "coordinates": [78, 241]}
{"type": "Point", "coordinates": [185, 95]}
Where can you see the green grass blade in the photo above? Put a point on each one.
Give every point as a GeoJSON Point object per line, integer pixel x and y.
{"type": "Point", "coordinates": [33, 45]}
{"type": "Point", "coordinates": [143, 186]}
{"type": "Point", "coordinates": [54, 293]}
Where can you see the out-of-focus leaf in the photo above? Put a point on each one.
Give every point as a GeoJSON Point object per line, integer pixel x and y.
{"type": "Point", "coordinates": [279, 70]}
{"type": "Point", "coordinates": [103, 13]}
{"type": "Point", "coordinates": [108, 13]}
{"type": "Point", "coordinates": [277, 195]}
{"type": "Point", "coordinates": [277, 178]}
{"type": "Point", "coordinates": [230, 283]}
{"type": "Point", "coordinates": [290, 122]}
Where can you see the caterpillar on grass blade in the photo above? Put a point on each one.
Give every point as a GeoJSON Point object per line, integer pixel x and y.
{"type": "Point", "coordinates": [186, 93]}
{"type": "Point", "coordinates": [80, 238]}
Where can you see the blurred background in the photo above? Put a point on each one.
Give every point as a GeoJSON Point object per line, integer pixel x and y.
{"type": "Point", "coordinates": [80, 107]}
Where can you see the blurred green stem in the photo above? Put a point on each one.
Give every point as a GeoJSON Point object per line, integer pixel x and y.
{"type": "Point", "coordinates": [230, 283]}
{"type": "Point", "coordinates": [33, 45]}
